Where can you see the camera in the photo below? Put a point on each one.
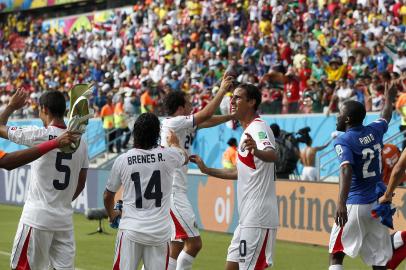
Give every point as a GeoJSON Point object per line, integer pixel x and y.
{"type": "Point", "coordinates": [301, 136]}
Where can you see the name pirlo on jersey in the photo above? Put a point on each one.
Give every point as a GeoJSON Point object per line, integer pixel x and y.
{"type": "Point", "coordinates": [145, 159]}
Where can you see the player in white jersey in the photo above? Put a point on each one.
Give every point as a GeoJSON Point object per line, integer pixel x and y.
{"type": "Point", "coordinates": [254, 238]}
{"type": "Point", "coordinates": [45, 233]}
{"type": "Point", "coordinates": [186, 241]}
{"type": "Point", "coordinates": [146, 173]}
{"type": "Point", "coordinates": [10, 161]}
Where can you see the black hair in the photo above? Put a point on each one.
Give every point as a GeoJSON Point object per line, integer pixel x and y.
{"type": "Point", "coordinates": [355, 111]}
{"type": "Point", "coordinates": [232, 142]}
{"type": "Point", "coordinates": [146, 131]}
{"type": "Point", "coordinates": [55, 102]}
{"type": "Point", "coordinates": [252, 92]}
{"type": "Point", "coordinates": [275, 130]}
{"type": "Point", "coordinates": [173, 101]}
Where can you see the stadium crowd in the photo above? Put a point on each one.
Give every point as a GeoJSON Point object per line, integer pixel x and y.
{"type": "Point", "coordinates": [315, 54]}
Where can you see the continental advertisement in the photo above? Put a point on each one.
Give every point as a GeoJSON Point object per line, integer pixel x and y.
{"type": "Point", "coordinates": [306, 209]}
{"type": "Point", "coordinates": [15, 5]}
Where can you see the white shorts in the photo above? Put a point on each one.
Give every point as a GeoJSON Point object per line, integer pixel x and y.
{"type": "Point", "coordinates": [36, 249]}
{"type": "Point", "coordinates": [183, 218]}
{"type": "Point", "coordinates": [309, 174]}
{"type": "Point", "coordinates": [252, 248]}
{"type": "Point", "coordinates": [362, 234]}
{"type": "Point", "coordinates": [128, 254]}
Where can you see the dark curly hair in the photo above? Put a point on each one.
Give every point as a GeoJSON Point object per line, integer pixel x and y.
{"type": "Point", "coordinates": [173, 101]}
{"type": "Point", "coordinates": [146, 131]}
{"type": "Point", "coordinates": [54, 101]}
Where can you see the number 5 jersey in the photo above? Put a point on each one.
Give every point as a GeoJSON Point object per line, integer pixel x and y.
{"type": "Point", "coordinates": [53, 179]}
{"type": "Point", "coordinates": [361, 147]}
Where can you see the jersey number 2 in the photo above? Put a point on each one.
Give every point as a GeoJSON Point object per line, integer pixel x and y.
{"type": "Point", "coordinates": [62, 168]}
{"type": "Point", "coordinates": [153, 190]}
{"type": "Point", "coordinates": [368, 155]}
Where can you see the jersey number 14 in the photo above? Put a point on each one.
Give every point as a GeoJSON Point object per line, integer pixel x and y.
{"type": "Point", "coordinates": [152, 192]}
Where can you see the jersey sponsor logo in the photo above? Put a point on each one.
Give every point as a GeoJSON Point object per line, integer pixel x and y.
{"type": "Point", "coordinates": [339, 150]}
{"type": "Point", "coordinates": [262, 135]}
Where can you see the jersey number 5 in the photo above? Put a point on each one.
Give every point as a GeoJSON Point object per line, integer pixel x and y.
{"type": "Point", "coordinates": [368, 155]}
{"type": "Point", "coordinates": [153, 190]}
{"type": "Point", "coordinates": [62, 168]}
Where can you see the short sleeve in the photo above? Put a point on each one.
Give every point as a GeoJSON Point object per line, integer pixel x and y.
{"type": "Point", "coordinates": [114, 181]}
{"type": "Point", "coordinates": [380, 126]}
{"type": "Point", "coordinates": [179, 122]}
{"type": "Point", "coordinates": [262, 135]}
{"type": "Point", "coordinates": [28, 136]}
{"type": "Point", "coordinates": [344, 154]}
{"type": "Point", "coordinates": [175, 157]}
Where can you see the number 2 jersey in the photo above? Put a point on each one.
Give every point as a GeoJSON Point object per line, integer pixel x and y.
{"type": "Point", "coordinates": [185, 130]}
{"type": "Point", "coordinates": [257, 204]}
{"type": "Point", "coordinates": [361, 147]}
{"type": "Point", "coordinates": [146, 177]}
{"type": "Point", "coordinates": [53, 180]}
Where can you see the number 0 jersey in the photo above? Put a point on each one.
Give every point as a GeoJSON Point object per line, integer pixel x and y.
{"type": "Point", "coordinates": [361, 147]}
{"type": "Point", "coordinates": [257, 204]}
{"type": "Point", "coordinates": [146, 177]}
{"type": "Point", "coordinates": [53, 180]}
{"type": "Point", "coordinates": [185, 130]}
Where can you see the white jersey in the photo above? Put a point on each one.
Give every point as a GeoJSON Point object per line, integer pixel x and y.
{"type": "Point", "coordinates": [185, 130]}
{"type": "Point", "coordinates": [257, 204]}
{"type": "Point", "coordinates": [146, 177]}
{"type": "Point", "coordinates": [53, 182]}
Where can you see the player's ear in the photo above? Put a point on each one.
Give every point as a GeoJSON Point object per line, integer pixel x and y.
{"type": "Point", "coordinates": [347, 119]}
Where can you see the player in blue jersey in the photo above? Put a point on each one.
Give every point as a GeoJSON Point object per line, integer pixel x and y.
{"type": "Point", "coordinates": [359, 151]}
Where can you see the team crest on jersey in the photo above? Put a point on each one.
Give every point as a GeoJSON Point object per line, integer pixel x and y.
{"type": "Point", "coordinates": [339, 150]}
{"type": "Point", "coordinates": [262, 135]}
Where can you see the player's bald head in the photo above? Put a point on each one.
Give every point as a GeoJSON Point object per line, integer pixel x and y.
{"type": "Point", "coordinates": [355, 111]}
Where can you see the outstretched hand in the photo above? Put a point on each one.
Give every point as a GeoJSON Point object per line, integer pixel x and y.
{"type": "Point", "coordinates": [198, 161]}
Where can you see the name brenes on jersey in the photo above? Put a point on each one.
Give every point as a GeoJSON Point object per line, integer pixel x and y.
{"type": "Point", "coordinates": [367, 139]}
{"type": "Point", "coordinates": [140, 159]}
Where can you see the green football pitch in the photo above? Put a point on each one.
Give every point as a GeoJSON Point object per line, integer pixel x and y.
{"type": "Point", "coordinates": [95, 252]}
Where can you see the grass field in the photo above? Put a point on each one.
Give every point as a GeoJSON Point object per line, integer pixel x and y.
{"type": "Point", "coordinates": [95, 252]}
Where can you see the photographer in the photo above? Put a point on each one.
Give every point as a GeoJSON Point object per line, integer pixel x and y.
{"type": "Point", "coordinates": [288, 152]}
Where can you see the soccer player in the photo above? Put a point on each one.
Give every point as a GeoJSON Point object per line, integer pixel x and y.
{"type": "Point", "coordinates": [359, 151]}
{"type": "Point", "coordinates": [45, 233]}
{"type": "Point", "coordinates": [10, 161]}
{"type": "Point", "coordinates": [145, 172]}
{"type": "Point", "coordinates": [254, 238]}
{"type": "Point", "coordinates": [186, 241]}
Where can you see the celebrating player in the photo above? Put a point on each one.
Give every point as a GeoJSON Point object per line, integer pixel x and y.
{"type": "Point", "coordinates": [10, 161]}
{"type": "Point", "coordinates": [359, 151]}
{"type": "Point", "coordinates": [145, 172]}
{"type": "Point", "coordinates": [186, 241]}
{"type": "Point", "coordinates": [45, 233]}
{"type": "Point", "coordinates": [254, 238]}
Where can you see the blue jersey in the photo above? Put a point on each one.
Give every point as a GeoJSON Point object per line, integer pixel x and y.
{"type": "Point", "coordinates": [361, 147]}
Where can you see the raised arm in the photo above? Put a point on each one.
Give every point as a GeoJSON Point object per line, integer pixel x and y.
{"type": "Point", "coordinates": [219, 173]}
{"type": "Point", "coordinates": [216, 120]}
{"type": "Point", "coordinates": [390, 95]}
{"type": "Point", "coordinates": [17, 101]}
{"type": "Point", "coordinates": [319, 148]}
{"type": "Point", "coordinates": [208, 111]}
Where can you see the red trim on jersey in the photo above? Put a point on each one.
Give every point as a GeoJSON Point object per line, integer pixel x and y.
{"type": "Point", "coordinates": [23, 263]}
{"type": "Point", "coordinates": [248, 160]}
{"type": "Point", "coordinates": [58, 126]}
{"type": "Point", "coordinates": [338, 245]}
{"type": "Point", "coordinates": [403, 236]}
{"type": "Point", "coordinates": [397, 257]}
{"type": "Point", "coordinates": [117, 264]}
{"type": "Point", "coordinates": [256, 119]}
{"type": "Point", "coordinates": [167, 257]}
{"type": "Point", "coordinates": [180, 232]}
{"type": "Point", "coordinates": [261, 262]}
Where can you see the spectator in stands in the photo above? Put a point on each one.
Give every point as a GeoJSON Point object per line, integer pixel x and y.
{"type": "Point", "coordinates": [230, 155]}
{"type": "Point", "coordinates": [107, 115]}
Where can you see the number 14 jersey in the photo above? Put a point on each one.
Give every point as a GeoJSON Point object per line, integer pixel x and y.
{"type": "Point", "coordinates": [361, 147]}
{"type": "Point", "coordinates": [53, 180]}
{"type": "Point", "coordinates": [146, 177]}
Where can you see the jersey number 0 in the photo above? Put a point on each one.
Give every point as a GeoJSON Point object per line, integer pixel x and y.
{"type": "Point", "coordinates": [152, 192]}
